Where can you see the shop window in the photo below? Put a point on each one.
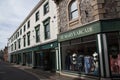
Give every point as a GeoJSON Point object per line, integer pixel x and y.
{"type": "Point", "coordinates": [73, 10]}
{"type": "Point", "coordinates": [113, 40]}
{"type": "Point", "coordinates": [81, 56]}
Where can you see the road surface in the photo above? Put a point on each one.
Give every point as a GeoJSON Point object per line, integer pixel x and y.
{"type": "Point", "coordinates": [7, 72]}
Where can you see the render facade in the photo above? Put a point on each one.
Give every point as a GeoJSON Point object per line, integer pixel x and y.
{"type": "Point", "coordinates": [89, 38]}
{"type": "Point", "coordinates": [34, 43]}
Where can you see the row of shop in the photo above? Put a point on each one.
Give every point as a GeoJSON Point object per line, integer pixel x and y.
{"type": "Point", "coordinates": [92, 50]}
{"type": "Point", "coordinates": [41, 56]}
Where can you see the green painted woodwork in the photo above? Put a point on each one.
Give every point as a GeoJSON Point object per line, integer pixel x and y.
{"type": "Point", "coordinates": [38, 48]}
{"type": "Point", "coordinates": [79, 32]}
{"type": "Point", "coordinates": [49, 45]}
{"type": "Point", "coordinates": [89, 29]}
{"type": "Point", "coordinates": [110, 25]}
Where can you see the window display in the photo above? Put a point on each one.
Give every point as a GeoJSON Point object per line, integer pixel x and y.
{"type": "Point", "coordinates": [114, 52]}
{"type": "Point", "coordinates": [81, 56]}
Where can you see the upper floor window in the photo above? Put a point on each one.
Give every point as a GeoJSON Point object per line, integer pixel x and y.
{"type": "Point", "coordinates": [12, 47]}
{"type": "Point", "coordinates": [46, 8]}
{"type": "Point", "coordinates": [37, 33]}
{"type": "Point", "coordinates": [16, 36]}
{"type": "Point", "coordinates": [37, 16]}
{"type": "Point", "coordinates": [19, 43]}
{"type": "Point", "coordinates": [73, 10]}
{"type": "Point", "coordinates": [15, 45]}
{"type": "Point", "coordinates": [24, 40]}
{"type": "Point", "coordinates": [28, 24]}
{"type": "Point", "coordinates": [28, 38]}
{"type": "Point", "coordinates": [24, 28]}
{"type": "Point", "coordinates": [46, 24]}
{"type": "Point", "coordinates": [20, 31]}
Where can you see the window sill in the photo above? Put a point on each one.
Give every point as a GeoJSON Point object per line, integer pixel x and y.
{"type": "Point", "coordinates": [73, 22]}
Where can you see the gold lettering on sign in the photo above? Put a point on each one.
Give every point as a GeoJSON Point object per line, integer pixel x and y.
{"type": "Point", "coordinates": [76, 33]}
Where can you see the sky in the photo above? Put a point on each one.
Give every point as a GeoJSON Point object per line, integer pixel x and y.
{"type": "Point", "coordinates": [12, 14]}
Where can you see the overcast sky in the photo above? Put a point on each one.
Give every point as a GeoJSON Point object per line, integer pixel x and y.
{"type": "Point", "coordinates": [12, 14]}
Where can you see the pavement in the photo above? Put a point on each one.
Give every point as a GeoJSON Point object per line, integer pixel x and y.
{"type": "Point", "coordinates": [44, 75]}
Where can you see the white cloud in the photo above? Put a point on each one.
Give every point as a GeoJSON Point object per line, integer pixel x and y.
{"type": "Point", "coordinates": [12, 13]}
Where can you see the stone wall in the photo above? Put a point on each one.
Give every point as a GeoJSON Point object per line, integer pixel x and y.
{"type": "Point", "coordinates": [112, 9]}
{"type": "Point", "coordinates": [89, 11]}
{"type": "Point", "coordinates": [62, 16]}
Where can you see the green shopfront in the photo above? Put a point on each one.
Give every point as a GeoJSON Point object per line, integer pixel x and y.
{"type": "Point", "coordinates": [91, 51]}
{"type": "Point", "coordinates": [46, 57]}
{"type": "Point", "coordinates": [43, 56]}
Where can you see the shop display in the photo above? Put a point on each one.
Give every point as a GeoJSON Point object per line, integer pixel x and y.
{"type": "Point", "coordinates": [68, 61]}
{"type": "Point", "coordinates": [115, 60]}
{"type": "Point", "coordinates": [95, 58]}
{"type": "Point", "coordinates": [87, 63]}
{"type": "Point", "coordinates": [82, 63]}
{"type": "Point", "coordinates": [74, 61]}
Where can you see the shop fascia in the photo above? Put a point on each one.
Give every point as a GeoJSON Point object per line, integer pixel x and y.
{"type": "Point", "coordinates": [79, 32]}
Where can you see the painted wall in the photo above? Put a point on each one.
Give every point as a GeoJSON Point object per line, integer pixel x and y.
{"type": "Point", "coordinates": [53, 27]}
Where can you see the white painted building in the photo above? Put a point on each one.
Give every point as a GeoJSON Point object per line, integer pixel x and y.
{"type": "Point", "coordinates": [34, 43]}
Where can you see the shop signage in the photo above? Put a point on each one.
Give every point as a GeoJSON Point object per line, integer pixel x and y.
{"type": "Point", "coordinates": [79, 32]}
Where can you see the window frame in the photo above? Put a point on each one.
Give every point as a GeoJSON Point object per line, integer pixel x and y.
{"type": "Point", "coordinates": [24, 40]}
{"type": "Point", "coordinates": [28, 24]}
{"type": "Point", "coordinates": [19, 42]}
{"type": "Point", "coordinates": [20, 31]}
{"type": "Point", "coordinates": [24, 28]}
{"type": "Point", "coordinates": [37, 33]}
{"type": "Point", "coordinates": [28, 38]}
{"type": "Point", "coordinates": [15, 45]}
{"type": "Point", "coordinates": [46, 8]}
{"type": "Point", "coordinates": [46, 24]}
{"type": "Point", "coordinates": [71, 12]}
{"type": "Point", "coordinates": [37, 15]}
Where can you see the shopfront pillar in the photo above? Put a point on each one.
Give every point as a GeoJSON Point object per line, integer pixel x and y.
{"type": "Point", "coordinates": [33, 59]}
{"type": "Point", "coordinates": [103, 55]}
{"type": "Point", "coordinates": [59, 58]}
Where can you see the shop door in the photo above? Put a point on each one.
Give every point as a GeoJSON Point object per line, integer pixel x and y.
{"type": "Point", "coordinates": [53, 61]}
{"type": "Point", "coordinates": [24, 59]}
{"type": "Point", "coordinates": [37, 57]}
{"type": "Point", "coordinates": [39, 60]}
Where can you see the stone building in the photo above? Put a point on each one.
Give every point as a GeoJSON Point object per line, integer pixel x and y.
{"type": "Point", "coordinates": [34, 43]}
{"type": "Point", "coordinates": [5, 55]}
{"type": "Point", "coordinates": [89, 39]}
